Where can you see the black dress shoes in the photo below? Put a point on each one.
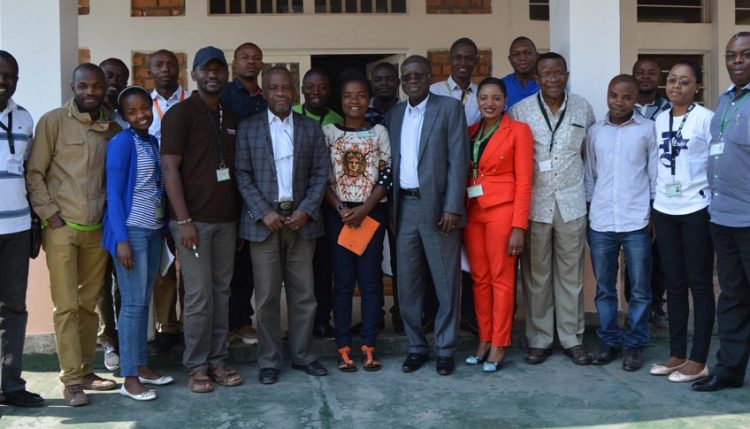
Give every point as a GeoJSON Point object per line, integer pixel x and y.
{"type": "Point", "coordinates": [414, 361]}
{"type": "Point", "coordinates": [22, 398]}
{"type": "Point", "coordinates": [268, 375]}
{"type": "Point", "coordinates": [445, 365]}
{"type": "Point", "coordinates": [534, 356]}
{"type": "Point", "coordinates": [714, 383]}
{"type": "Point", "coordinates": [605, 355]}
{"type": "Point", "coordinates": [578, 355]}
{"type": "Point", "coordinates": [633, 360]}
{"type": "Point", "coordinates": [313, 368]}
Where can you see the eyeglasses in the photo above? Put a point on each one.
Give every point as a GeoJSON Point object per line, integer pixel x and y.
{"type": "Point", "coordinates": [680, 82]}
{"type": "Point", "coordinates": [553, 75]}
{"type": "Point", "coordinates": [732, 56]}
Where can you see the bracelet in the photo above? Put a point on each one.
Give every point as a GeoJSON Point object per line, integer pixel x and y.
{"type": "Point", "coordinates": [184, 222]}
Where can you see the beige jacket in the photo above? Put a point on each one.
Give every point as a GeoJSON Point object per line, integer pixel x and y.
{"type": "Point", "coordinates": [65, 171]}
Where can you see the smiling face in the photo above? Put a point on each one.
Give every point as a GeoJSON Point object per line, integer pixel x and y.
{"type": "Point", "coordinates": [621, 98]}
{"type": "Point", "coordinates": [316, 89]}
{"type": "Point", "coordinates": [491, 101]}
{"type": "Point", "coordinates": [136, 110]}
{"type": "Point", "coordinates": [553, 77]}
{"type": "Point", "coordinates": [8, 81]}
{"type": "Point", "coordinates": [355, 99]}
{"type": "Point", "coordinates": [88, 89]}
{"type": "Point", "coordinates": [737, 57]}
{"type": "Point", "coordinates": [415, 80]}
{"type": "Point", "coordinates": [681, 85]}
{"type": "Point", "coordinates": [463, 58]}
{"type": "Point", "coordinates": [210, 77]}
{"type": "Point", "coordinates": [248, 62]}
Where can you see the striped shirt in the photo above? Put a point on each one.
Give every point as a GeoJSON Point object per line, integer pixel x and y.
{"type": "Point", "coordinates": [149, 191]}
{"type": "Point", "coordinates": [15, 215]}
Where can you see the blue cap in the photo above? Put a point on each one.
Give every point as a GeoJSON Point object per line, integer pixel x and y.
{"type": "Point", "coordinates": [207, 54]}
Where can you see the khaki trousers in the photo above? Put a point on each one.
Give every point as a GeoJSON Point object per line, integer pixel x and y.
{"type": "Point", "coordinates": [552, 277]}
{"type": "Point", "coordinates": [76, 263]}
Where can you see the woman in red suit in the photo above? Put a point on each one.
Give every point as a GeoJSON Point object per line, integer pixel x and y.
{"type": "Point", "coordinates": [499, 194]}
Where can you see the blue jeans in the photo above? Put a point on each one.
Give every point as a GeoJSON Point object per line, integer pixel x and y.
{"type": "Point", "coordinates": [135, 292]}
{"type": "Point", "coordinates": [605, 252]}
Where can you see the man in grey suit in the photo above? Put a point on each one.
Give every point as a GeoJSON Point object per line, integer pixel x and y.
{"type": "Point", "coordinates": [430, 148]}
{"type": "Point", "coordinates": [282, 167]}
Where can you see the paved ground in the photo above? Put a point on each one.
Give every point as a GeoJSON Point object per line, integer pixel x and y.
{"type": "Point", "coordinates": [557, 394]}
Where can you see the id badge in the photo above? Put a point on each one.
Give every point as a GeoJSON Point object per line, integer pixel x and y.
{"type": "Point", "coordinates": [545, 166]}
{"type": "Point", "coordinates": [716, 148]}
{"type": "Point", "coordinates": [15, 167]}
{"type": "Point", "coordinates": [222, 174]}
{"type": "Point", "coordinates": [475, 191]}
{"type": "Point", "coordinates": [673, 189]}
{"type": "Point", "coordinates": [366, 134]}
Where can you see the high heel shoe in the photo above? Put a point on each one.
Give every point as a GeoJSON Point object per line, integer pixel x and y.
{"type": "Point", "coordinates": [489, 366]}
{"type": "Point", "coordinates": [476, 360]}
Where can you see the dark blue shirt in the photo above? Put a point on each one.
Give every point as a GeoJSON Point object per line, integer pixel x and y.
{"type": "Point", "coordinates": [244, 104]}
{"type": "Point", "coordinates": [729, 172]}
{"type": "Point", "coordinates": [516, 91]}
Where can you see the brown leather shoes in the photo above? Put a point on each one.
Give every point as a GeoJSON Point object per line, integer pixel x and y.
{"type": "Point", "coordinates": [94, 382]}
{"type": "Point", "coordinates": [578, 355]}
{"type": "Point", "coordinates": [75, 396]}
{"type": "Point", "coordinates": [535, 356]}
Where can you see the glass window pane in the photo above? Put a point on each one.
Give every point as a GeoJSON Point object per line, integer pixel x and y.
{"type": "Point", "coordinates": [235, 6]}
{"type": "Point", "coordinates": [335, 6]}
{"type": "Point", "coordinates": [297, 6]}
{"type": "Point", "coordinates": [266, 6]}
{"type": "Point", "coordinates": [398, 6]}
{"type": "Point", "coordinates": [365, 6]}
{"type": "Point", "coordinates": [217, 7]}
{"type": "Point", "coordinates": [539, 12]}
{"type": "Point", "coordinates": [381, 6]}
{"type": "Point", "coordinates": [320, 6]}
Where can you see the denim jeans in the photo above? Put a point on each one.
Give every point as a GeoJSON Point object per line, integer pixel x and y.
{"type": "Point", "coordinates": [135, 292]}
{"type": "Point", "coordinates": [605, 252]}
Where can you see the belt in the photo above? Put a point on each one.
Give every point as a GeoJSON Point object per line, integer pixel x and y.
{"type": "Point", "coordinates": [285, 205]}
{"type": "Point", "coordinates": [75, 226]}
{"type": "Point", "coordinates": [410, 193]}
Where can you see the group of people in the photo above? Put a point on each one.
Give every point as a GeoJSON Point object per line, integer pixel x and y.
{"type": "Point", "coordinates": [252, 193]}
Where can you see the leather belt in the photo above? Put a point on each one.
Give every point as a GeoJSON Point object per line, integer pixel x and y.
{"type": "Point", "coordinates": [285, 208]}
{"type": "Point", "coordinates": [409, 193]}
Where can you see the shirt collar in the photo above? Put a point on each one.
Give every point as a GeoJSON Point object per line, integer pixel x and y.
{"type": "Point", "coordinates": [733, 86]}
{"type": "Point", "coordinates": [419, 108]}
{"type": "Point", "coordinates": [9, 108]}
{"type": "Point", "coordinates": [635, 118]}
{"type": "Point", "coordinates": [240, 87]}
{"type": "Point", "coordinates": [174, 97]}
{"type": "Point", "coordinates": [454, 86]}
{"type": "Point", "coordinates": [563, 106]}
{"type": "Point", "coordinates": [272, 118]}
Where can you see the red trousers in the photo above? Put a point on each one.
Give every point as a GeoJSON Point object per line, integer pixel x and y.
{"type": "Point", "coordinates": [486, 240]}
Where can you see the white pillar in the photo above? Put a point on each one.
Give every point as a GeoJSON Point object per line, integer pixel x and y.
{"type": "Point", "coordinates": [43, 36]}
{"type": "Point", "coordinates": [587, 34]}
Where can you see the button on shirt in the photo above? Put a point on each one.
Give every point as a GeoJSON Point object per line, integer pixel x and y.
{"type": "Point", "coordinates": [164, 104]}
{"type": "Point", "coordinates": [562, 185]}
{"type": "Point", "coordinates": [14, 207]}
{"type": "Point", "coordinates": [728, 172]}
{"type": "Point", "coordinates": [282, 139]}
{"type": "Point", "coordinates": [411, 132]}
{"type": "Point", "coordinates": [450, 88]}
{"type": "Point", "coordinates": [620, 174]}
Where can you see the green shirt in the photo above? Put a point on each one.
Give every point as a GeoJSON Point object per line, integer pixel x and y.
{"type": "Point", "coordinates": [330, 117]}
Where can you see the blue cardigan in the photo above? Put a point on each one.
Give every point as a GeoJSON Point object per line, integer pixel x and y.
{"type": "Point", "coordinates": [121, 175]}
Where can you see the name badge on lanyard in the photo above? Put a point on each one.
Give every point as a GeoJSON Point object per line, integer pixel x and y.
{"type": "Point", "coordinates": [673, 189]}
{"type": "Point", "coordinates": [475, 191]}
{"type": "Point", "coordinates": [716, 148]}
{"type": "Point", "coordinates": [545, 166]}
{"type": "Point", "coordinates": [15, 167]}
{"type": "Point", "coordinates": [222, 173]}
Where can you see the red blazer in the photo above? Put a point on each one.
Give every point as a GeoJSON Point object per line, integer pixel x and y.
{"type": "Point", "coordinates": [506, 168]}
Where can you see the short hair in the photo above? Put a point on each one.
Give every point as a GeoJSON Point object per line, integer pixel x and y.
{"type": "Point", "coordinates": [550, 56]}
{"type": "Point", "coordinates": [623, 78]}
{"type": "Point", "coordinates": [645, 60]}
{"type": "Point", "coordinates": [418, 59]}
{"type": "Point", "coordinates": [162, 52]}
{"type": "Point", "coordinates": [464, 41]}
{"type": "Point", "coordinates": [740, 34]}
{"type": "Point", "coordinates": [247, 45]}
{"type": "Point", "coordinates": [90, 68]}
{"type": "Point", "coordinates": [520, 39]}
{"type": "Point", "coordinates": [115, 62]}
{"type": "Point", "coordinates": [697, 72]}
{"type": "Point", "coordinates": [273, 70]}
{"type": "Point", "coordinates": [315, 71]}
{"type": "Point", "coordinates": [353, 76]}
{"type": "Point", "coordinates": [385, 65]}
{"type": "Point", "coordinates": [133, 90]}
{"type": "Point", "coordinates": [5, 55]}
{"type": "Point", "coordinates": [493, 81]}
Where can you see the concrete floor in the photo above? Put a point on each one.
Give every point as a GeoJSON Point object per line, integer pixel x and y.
{"type": "Point", "coordinates": [556, 394]}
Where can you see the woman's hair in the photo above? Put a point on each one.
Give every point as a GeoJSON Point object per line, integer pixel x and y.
{"type": "Point", "coordinates": [132, 90]}
{"type": "Point", "coordinates": [697, 72]}
{"type": "Point", "coordinates": [493, 81]}
{"type": "Point", "coordinates": [353, 75]}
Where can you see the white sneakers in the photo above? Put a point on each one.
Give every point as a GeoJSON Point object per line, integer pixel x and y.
{"type": "Point", "coordinates": [111, 359]}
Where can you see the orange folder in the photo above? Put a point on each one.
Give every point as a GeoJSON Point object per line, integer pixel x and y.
{"type": "Point", "coordinates": [357, 239]}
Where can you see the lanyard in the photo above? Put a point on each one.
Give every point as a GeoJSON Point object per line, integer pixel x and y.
{"type": "Point", "coordinates": [673, 137]}
{"type": "Point", "coordinates": [726, 118]}
{"type": "Point", "coordinates": [478, 142]}
{"type": "Point", "coordinates": [320, 118]}
{"type": "Point", "coordinates": [9, 133]}
{"type": "Point", "coordinates": [151, 151]}
{"type": "Point", "coordinates": [464, 92]}
{"type": "Point", "coordinates": [546, 118]}
{"type": "Point", "coordinates": [158, 108]}
{"type": "Point", "coordinates": [217, 133]}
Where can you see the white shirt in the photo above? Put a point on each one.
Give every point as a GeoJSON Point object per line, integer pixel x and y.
{"type": "Point", "coordinates": [411, 132]}
{"type": "Point", "coordinates": [282, 139]}
{"type": "Point", "coordinates": [164, 104]}
{"type": "Point", "coordinates": [15, 215]}
{"type": "Point", "coordinates": [690, 163]}
{"type": "Point", "coordinates": [450, 88]}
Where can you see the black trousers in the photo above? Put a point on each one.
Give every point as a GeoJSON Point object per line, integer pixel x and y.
{"type": "Point", "coordinates": [687, 261]}
{"type": "Point", "coordinates": [14, 273]}
{"type": "Point", "coordinates": [240, 308]}
{"type": "Point", "coordinates": [733, 309]}
{"type": "Point", "coordinates": [323, 275]}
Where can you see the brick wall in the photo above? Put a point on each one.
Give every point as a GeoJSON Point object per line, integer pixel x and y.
{"type": "Point", "coordinates": [441, 66]}
{"type": "Point", "coordinates": [84, 55]}
{"type": "Point", "coordinates": [83, 7]}
{"type": "Point", "coordinates": [459, 6]}
{"type": "Point", "coordinates": [139, 69]}
{"type": "Point", "coordinates": [157, 7]}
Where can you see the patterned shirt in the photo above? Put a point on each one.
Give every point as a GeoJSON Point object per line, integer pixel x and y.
{"type": "Point", "coordinates": [147, 210]}
{"type": "Point", "coordinates": [360, 159]}
{"type": "Point", "coordinates": [15, 215]}
{"type": "Point", "coordinates": [558, 163]}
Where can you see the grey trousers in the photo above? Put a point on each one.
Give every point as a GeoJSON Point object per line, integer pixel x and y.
{"type": "Point", "coordinates": [552, 277]}
{"type": "Point", "coordinates": [206, 279]}
{"type": "Point", "coordinates": [420, 247]}
{"type": "Point", "coordinates": [284, 258]}
{"type": "Point", "coordinates": [14, 273]}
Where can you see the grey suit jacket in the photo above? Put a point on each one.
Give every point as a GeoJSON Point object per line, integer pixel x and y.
{"type": "Point", "coordinates": [255, 170]}
{"type": "Point", "coordinates": [443, 163]}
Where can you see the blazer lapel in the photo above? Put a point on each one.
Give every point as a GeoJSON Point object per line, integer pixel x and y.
{"type": "Point", "coordinates": [497, 139]}
{"type": "Point", "coordinates": [430, 115]}
{"type": "Point", "coordinates": [297, 143]}
{"type": "Point", "coordinates": [395, 135]}
{"type": "Point", "coordinates": [268, 144]}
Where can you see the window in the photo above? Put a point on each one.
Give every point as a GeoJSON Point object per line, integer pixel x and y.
{"type": "Point", "coordinates": [539, 10]}
{"type": "Point", "coordinates": [742, 12]}
{"type": "Point", "coordinates": [667, 61]}
{"type": "Point", "coordinates": [684, 11]}
{"type": "Point", "coordinates": [360, 6]}
{"type": "Point", "coordinates": [238, 7]}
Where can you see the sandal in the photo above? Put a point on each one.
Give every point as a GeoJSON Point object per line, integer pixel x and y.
{"type": "Point", "coordinates": [225, 377]}
{"type": "Point", "coordinates": [369, 361]}
{"type": "Point", "coordinates": [346, 364]}
{"type": "Point", "coordinates": [198, 382]}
